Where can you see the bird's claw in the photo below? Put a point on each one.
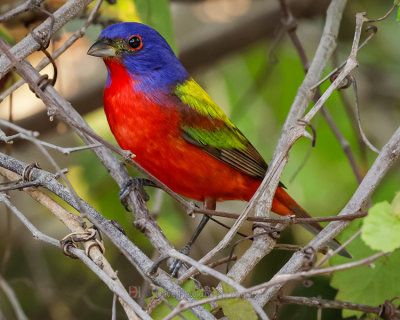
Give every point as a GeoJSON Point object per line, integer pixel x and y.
{"type": "Point", "coordinates": [177, 264]}
{"type": "Point", "coordinates": [135, 184]}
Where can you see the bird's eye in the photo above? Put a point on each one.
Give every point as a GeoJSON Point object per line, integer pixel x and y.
{"type": "Point", "coordinates": [135, 42]}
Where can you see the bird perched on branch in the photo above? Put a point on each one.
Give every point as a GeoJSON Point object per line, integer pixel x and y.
{"type": "Point", "coordinates": [178, 133]}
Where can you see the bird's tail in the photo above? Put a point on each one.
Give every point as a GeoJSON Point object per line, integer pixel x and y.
{"type": "Point", "coordinates": [284, 204]}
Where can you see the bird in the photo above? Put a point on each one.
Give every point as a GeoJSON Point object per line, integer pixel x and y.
{"type": "Point", "coordinates": [176, 131]}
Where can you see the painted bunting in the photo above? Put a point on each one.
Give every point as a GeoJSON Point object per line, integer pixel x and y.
{"type": "Point", "coordinates": [178, 133]}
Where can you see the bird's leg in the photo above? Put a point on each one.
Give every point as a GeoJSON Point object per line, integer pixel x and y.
{"type": "Point", "coordinates": [209, 203]}
{"type": "Point", "coordinates": [137, 184]}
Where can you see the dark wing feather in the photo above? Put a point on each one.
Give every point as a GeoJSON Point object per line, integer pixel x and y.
{"type": "Point", "coordinates": [205, 125]}
{"type": "Point", "coordinates": [248, 161]}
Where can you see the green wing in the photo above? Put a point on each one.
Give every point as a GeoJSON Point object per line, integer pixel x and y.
{"type": "Point", "coordinates": [205, 125]}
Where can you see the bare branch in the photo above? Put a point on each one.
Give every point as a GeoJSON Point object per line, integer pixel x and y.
{"type": "Point", "coordinates": [9, 292]}
{"type": "Point", "coordinates": [134, 255]}
{"type": "Point", "coordinates": [218, 275]}
{"type": "Point", "coordinates": [325, 113]}
{"type": "Point", "coordinates": [26, 6]}
{"type": "Point", "coordinates": [387, 14]}
{"type": "Point", "coordinates": [255, 291]}
{"type": "Point", "coordinates": [362, 134]}
{"type": "Point", "coordinates": [114, 308]}
{"type": "Point", "coordinates": [343, 143]}
{"type": "Point", "coordinates": [30, 136]}
{"type": "Point", "coordinates": [336, 304]}
{"type": "Point", "coordinates": [28, 45]}
{"type": "Point", "coordinates": [332, 253]}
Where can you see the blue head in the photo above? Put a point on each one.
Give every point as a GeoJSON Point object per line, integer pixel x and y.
{"type": "Point", "coordinates": [143, 51]}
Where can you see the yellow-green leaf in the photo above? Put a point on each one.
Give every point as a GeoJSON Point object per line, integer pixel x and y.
{"type": "Point", "coordinates": [368, 285]}
{"type": "Point", "coordinates": [396, 205]}
{"type": "Point", "coordinates": [236, 309]}
{"type": "Point", "coordinates": [381, 228]}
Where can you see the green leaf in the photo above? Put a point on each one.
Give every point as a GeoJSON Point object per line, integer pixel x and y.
{"type": "Point", "coordinates": [163, 309]}
{"type": "Point", "coordinates": [396, 205]}
{"type": "Point", "coordinates": [365, 285]}
{"type": "Point", "coordinates": [5, 34]}
{"type": "Point", "coordinates": [381, 228]}
{"type": "Point", "coordinates": [236, 309]}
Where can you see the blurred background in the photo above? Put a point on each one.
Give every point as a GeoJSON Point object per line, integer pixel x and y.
{"type": "Point", "coordinates": [239, 52]}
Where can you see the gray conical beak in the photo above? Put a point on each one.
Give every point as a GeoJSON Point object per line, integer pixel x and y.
{"type": "Point", "coordinates": [101, 49]}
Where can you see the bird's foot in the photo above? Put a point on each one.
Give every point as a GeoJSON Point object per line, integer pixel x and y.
{"type": "Point", "coordinates": [177, 264]}
{"type": "Point", "coordinates": [135, 184]}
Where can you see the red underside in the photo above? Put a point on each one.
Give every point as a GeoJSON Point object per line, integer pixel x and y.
{"type": "Point", "coordinates": [151, 132]}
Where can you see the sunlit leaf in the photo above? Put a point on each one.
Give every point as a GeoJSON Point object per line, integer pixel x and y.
{"type": "Point", "coordinates": [236, 309]}
{"type": "Point", "coordinates": [381, 228]}
{"type": "Point", "coordinates": [6, 35]}
{"type": "Point", "coordinates": [369, 285]}
{"type": "Point", "coordinates": [396, 205]}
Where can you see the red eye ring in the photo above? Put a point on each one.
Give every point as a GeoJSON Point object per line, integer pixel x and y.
{"type": "Point", "coordinates": [135, 42]}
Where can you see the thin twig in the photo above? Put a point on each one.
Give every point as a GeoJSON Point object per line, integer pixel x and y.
{"type": "Point", "coordinates": [65, 151]}
{"type": "Point", "coordinates": [362, 134]}
{"type": "Point", "coordinates": [352, 117]}
{"type": "Point", "coordinates": [332, 253]}
{"type": "Point", "coordinates": [10, 294]}
{"type": "Point", "coordinates": [331, 304]}
{"type": "Point", "coordinates": [114, 308]}
{"type": "Point", "coordinates": [373, 30]}
{"type": "Point", "coordinates": [387, 14]}
{"type": "Point", "coordinates": [325, 113]}
{"type": "Point", "coordinates": [343, 143]}
{"type": "Point", "coordinates": [26, 6]}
